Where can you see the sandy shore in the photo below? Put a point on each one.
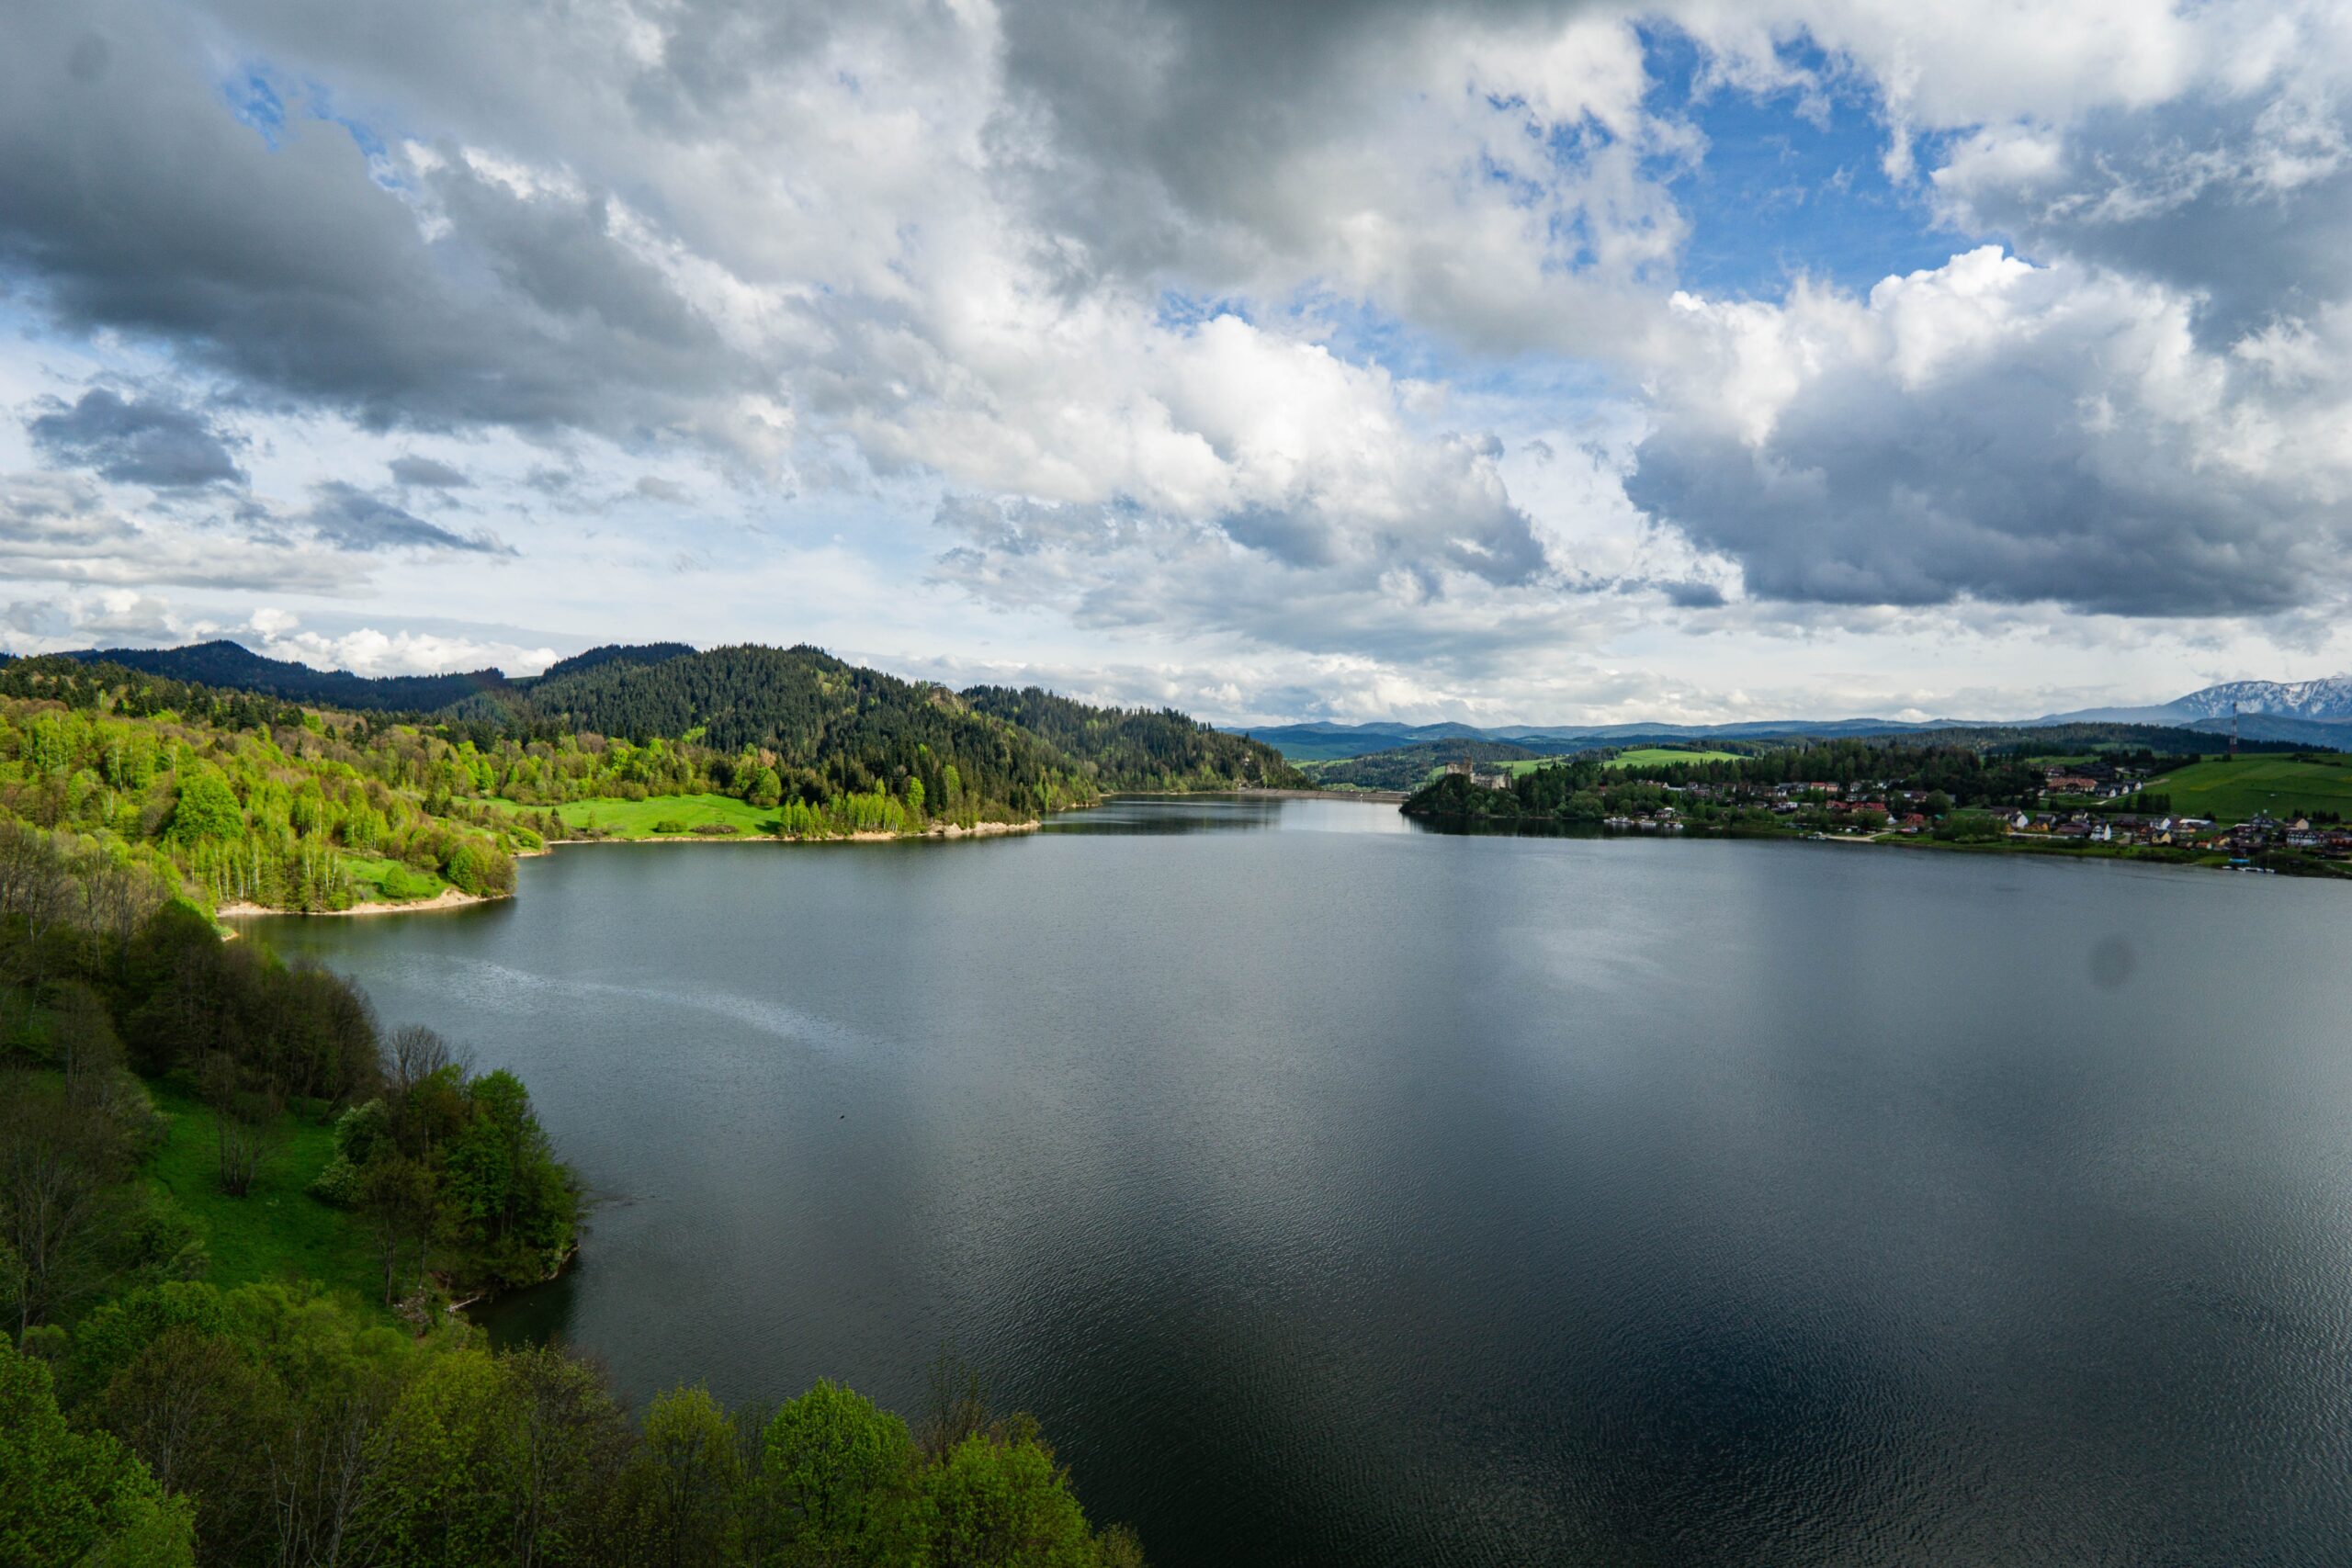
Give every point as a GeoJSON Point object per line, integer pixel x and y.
{"type": "Point", "coordinates": [447, 898]}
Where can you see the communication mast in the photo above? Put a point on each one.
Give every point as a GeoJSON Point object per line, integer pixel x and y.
{"type": "Point", "coordinates": [2233, 732]}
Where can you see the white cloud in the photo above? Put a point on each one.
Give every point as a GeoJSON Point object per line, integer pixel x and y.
{"type": "Point", "coordinates": [367, 651]}
{"type": "Point", "coordinates": [1994, 430]}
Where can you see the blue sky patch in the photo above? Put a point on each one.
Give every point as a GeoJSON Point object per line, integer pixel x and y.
{"type": "Point", "coordinates": [1782, 193]}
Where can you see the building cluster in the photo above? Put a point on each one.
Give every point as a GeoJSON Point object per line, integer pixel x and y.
{"type": "Point", "coordinates": [2251, 837]}
{"type": "Point", "coordinates": [2097, 781]}
{"type": "Point", "coordinates": [1881, 806]}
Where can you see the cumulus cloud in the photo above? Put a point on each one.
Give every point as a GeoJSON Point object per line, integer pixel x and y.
{"type": "Point", "coordinates": [1996, 431]}
{"type": "Point", "coordinates": [146, 441]}
{"type": "Point", "coordinates": [305, 261]}
{"type": "Point", "coordinates": [365, 651]}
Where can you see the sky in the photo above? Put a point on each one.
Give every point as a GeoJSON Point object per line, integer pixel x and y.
{"type": "Point", "coordinates": [1500, 361]}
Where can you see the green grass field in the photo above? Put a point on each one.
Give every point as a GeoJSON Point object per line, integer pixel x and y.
{"type": "Point", "coordinates": [635, 818]}
{"type": "Point", "coordinates": [1665, 757]}
{"type": "Point", "coordinates": [277, 1230]}
{"type": "Point", "coordinates": [2231, 792]}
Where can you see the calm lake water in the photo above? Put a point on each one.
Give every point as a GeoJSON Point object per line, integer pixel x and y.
{"type": "Point", "coordinates": [1338, 1192]}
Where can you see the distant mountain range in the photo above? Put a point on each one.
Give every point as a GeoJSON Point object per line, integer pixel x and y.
{"type": "Point", "coordinates": [2309, 713]}
{"type": "Point", "coordinates": [2303, 713]}
{"type": "Point", "coordinates": [1324, 742]}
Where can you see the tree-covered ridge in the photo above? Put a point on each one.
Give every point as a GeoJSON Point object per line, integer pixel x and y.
{"type": "Point", "coordinates": [240, 798]}
{"type": "Point", "coordinates": [243, 797]}
{"type": "Point", "coordinates": [152, 1416]}
{"type": "Point", "coordinates": [1139, 749]}
{"type": "Point", "coordinates": [855, 731]}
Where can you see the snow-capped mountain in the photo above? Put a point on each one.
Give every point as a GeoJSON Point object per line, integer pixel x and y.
{"type": "Point", "coordinates": [2329, 700]}
{"type": "Point", "coordinates": [2326, 700]}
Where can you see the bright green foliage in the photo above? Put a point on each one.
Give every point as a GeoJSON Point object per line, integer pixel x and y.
{"type": "Point", "coordinates": [207, 810]}
{"type": "Point", "coordinates": [69, 1498]}
{"type": "Point", "coordinates": [688, 1481]}
{"type": "Point", "coordinates": [244, 798]}
{"type": "Point", "coordinates": [495, 1459]}
{"type": "Point", "coordinates": [1000, 1502]}
{"type": "Point", "coordinates": [842, 1476]}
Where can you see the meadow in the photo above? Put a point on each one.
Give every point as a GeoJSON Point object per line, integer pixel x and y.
{"type": "Point", "coordinates": [2277, 785]}
{"type": "Point", "coordinates": [643, 818]}
{"type": "Point", "coordinates": [1666, 757]}
{"type": "Point", "coordinates": [276, 1231]}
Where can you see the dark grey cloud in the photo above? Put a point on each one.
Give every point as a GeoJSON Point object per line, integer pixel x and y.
{"type": "Point", "coordinates": [146, 441]}
{"type": "Point", "coordinates": [428, 473]}
{"type": "Point", "coordinates": [2234, 200]}
{"type": "Point", "coordinates": [1170, 112]}
{"type": "Point", "coordinates": [1691, 593]}
{"type": "Point", "coordinates": [351, 519]}
{"type": "Point", "coordinates": [131, 198]}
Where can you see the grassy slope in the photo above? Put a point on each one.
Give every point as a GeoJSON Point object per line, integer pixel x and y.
{"type": "Point", "coordinates": [2231, 792]}
{"type": "Point", "coordinates": [378, 880]}
{"type": "Point", "coordinates": [635, 818]}
{"type": "Point", "coordinates": [1665, 757]}
{"type": "Point", "coordinates": [276, 1231]}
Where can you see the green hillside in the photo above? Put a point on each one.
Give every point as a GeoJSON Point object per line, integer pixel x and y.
{"type": "Point", "coordinates": [2279, 787]}
{"type": "Point", "coordinates": [1666, 757]}
{"type": "Point", "coordinates": [230, 798]}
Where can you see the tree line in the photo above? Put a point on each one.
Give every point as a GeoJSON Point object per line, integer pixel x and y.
{"type": "Point", "coordinates": [1588, 789]}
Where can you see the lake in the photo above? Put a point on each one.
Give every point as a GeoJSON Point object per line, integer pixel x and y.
{"type": "Point", "coordinates": [1338, 1192]}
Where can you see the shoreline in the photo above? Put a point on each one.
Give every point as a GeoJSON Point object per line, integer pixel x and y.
{"type": "Point", "coordinates": [2012, 844]}
{"type": "Point", "coordinates": [452, 898]}
{"type": "Point", "coordinates": [943, 830]}
{"type": "Point", "coordinates": [1375, 796]}
{"type": "Point", "coordinates": [447, 898]}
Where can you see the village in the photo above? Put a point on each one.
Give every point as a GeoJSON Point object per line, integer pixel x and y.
{"type": "Point", "coordinates": [2080, 806]}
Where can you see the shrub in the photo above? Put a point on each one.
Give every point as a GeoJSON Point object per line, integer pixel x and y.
{"type": "Point", "coordinates": [401, 883]}
{"type": "Point", "coordinates": [669, 825]}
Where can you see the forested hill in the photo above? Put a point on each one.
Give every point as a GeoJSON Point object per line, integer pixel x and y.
{"type": "Point", "coordinates": [853, 727]}
{"type": "Point", "coordinates": [857, 728]}
{"type": "Point", "coordinates": [1138, 748]}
